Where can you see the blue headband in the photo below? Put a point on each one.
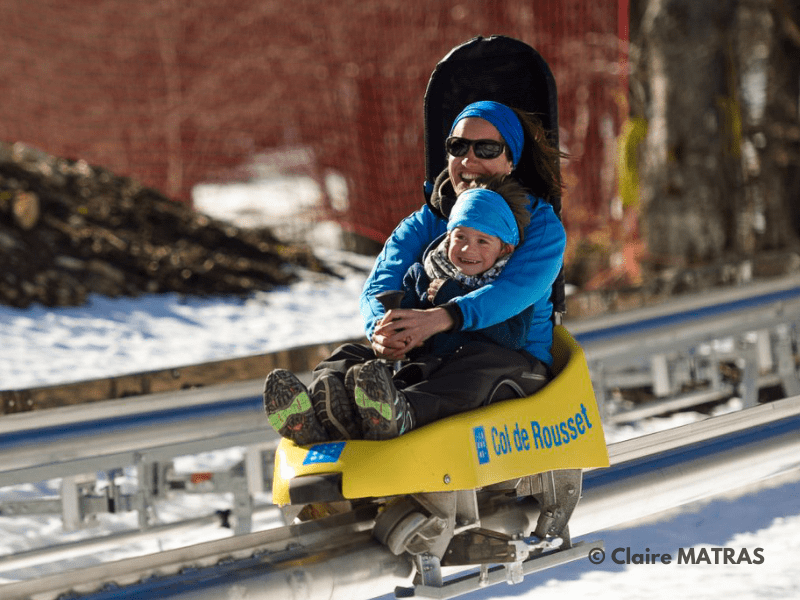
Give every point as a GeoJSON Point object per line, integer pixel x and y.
{"type": "Point", "coordinates": [486, 211]}
{"type": "Point", "coordinates": [503, 118]}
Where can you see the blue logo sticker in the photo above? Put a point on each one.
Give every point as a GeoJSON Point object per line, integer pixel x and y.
{"type": "Point", "coordinates": [480, 444]}
{"type": "Point", "coordinates": [324, 453]}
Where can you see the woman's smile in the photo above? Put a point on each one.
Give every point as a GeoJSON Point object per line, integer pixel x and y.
{"type": "Point", "coordinates": [464, 170]}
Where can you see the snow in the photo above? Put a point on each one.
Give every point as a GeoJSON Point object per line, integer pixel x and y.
{"type": "Point", "coordinates": [129, 335]}
{"type": "Point", "coordinates": [42, 346]}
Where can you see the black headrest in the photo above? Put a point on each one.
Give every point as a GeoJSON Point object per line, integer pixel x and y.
{"type": "Point", "coordinates": [496, 68]}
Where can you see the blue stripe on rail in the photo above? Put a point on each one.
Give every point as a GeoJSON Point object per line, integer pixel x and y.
{"type": "Point", "coordinates": [714, 446]}
{"type": "Point", "coordinates": [128, 422]}
{"type": "Point", "coordinates": [705, 312]}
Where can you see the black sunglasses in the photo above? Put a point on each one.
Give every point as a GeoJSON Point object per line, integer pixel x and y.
{"type": "Point", "coordinates": [458, 146]}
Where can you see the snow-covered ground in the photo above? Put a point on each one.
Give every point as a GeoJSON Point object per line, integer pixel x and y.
{"type": "Point", "coordinates": [40, 346]}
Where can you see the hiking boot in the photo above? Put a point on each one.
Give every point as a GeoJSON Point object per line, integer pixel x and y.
{"type": "Point", "coordinates": [290, 410]}
{"type": "Point", "coordinates": [350, 380]}
{"type": "Point", "coordinates": [334, 409]}
{"type": "Point", "coordinates": [384, 410]}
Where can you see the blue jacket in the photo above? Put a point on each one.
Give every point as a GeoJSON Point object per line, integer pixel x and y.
{"type": "Point", "coordinates": [511, 333]}
{"type": "Point", "coordinates": [526, 280]}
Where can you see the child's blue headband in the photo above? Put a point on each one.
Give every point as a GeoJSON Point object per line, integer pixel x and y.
{"type": "Point", "coordinates": [503, 118]}
{"type": "Point", "coordinates": [486, 211]}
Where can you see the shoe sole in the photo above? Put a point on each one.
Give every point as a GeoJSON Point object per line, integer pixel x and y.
{"type": "Point", "coordinates": [289, 409]}
{"type": "Point", "coordinates": [350, 379]}
{"type": "Point", "coordinates": [334, 409]}
{"type": "Point", "coordinates": [376, 408]}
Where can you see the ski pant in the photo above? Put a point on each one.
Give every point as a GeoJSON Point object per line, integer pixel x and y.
{"type": "Point", "coordinates": [477, 374]}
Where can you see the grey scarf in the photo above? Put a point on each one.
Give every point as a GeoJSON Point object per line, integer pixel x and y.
{"type": "Point", "coordinates": [438, 266]}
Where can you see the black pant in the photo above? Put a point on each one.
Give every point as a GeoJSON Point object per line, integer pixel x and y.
{"type": "Point", "coordinates": [440, 386]}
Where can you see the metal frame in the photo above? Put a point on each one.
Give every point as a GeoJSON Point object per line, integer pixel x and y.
{"type": "Point", "coordinates": [337, 559]}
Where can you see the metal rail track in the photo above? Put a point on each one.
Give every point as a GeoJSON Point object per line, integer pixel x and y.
{"type": "Point", "coordinates": [84, 438]}
{"type": "Point", "coordinates": [149, 429]}
{"type": "Point", "coordinates": [336, 558]}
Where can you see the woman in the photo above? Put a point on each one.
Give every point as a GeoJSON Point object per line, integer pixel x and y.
{"type": "Point", "coordinates": [528, 278]}
{"type": "Point", "coordinates": [487, 138]}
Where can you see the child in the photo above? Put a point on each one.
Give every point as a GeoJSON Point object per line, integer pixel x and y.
{"type": "Point", "coordinates": [451, 372]}
{"type": "Point", "coordinates": [482, 232]}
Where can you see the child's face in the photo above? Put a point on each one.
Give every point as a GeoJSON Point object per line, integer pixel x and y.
{"type": "Point", "coordinates": [473, 252]}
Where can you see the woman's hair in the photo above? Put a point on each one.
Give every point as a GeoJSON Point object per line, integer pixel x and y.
{"type": "Point", "coordinates": [540, 161]}
{"type": "Point", "coordinates": [514, 194]}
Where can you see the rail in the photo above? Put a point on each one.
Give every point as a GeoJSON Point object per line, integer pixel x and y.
{"type": "Point", "coordinates": [336, 558]}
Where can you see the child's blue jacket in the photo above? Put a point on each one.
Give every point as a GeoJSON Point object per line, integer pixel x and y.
{"type": "Point", "coordinates": [511, 333]}
{"type": "Point", "coordinates": [526, 280]}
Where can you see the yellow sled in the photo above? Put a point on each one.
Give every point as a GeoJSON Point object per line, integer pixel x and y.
{"type": "Point", "coordinates": [557, 428]}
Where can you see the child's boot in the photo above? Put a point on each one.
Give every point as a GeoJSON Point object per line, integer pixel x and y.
{"type": "Point", "coordinates": [334, 408]}
{"type": "Point", "coordinates": [384, 410]}
{"type": "Point", "coordinates": [290, 410]}
{"type": "Point", "coordinates": [350, 379]}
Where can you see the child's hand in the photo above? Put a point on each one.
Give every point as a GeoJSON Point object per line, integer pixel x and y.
{"type": "Point", "coordinates": [434, 288]}
{"type": "Point", "coordinates": [404, 329]}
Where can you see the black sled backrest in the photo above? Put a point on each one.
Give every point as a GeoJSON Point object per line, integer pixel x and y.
{"type": "Point", "coordinates": [496, 68]}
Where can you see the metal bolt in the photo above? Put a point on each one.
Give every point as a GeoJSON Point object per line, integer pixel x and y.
{"type": "Point", "coordinates": [447, 479]}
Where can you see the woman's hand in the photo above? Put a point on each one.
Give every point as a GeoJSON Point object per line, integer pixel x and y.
{"type": "Point", "coordinates": [400, 330]}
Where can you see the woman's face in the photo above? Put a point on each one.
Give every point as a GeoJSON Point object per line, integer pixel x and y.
{"type": "Point", "coordinates": [465, 169]}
